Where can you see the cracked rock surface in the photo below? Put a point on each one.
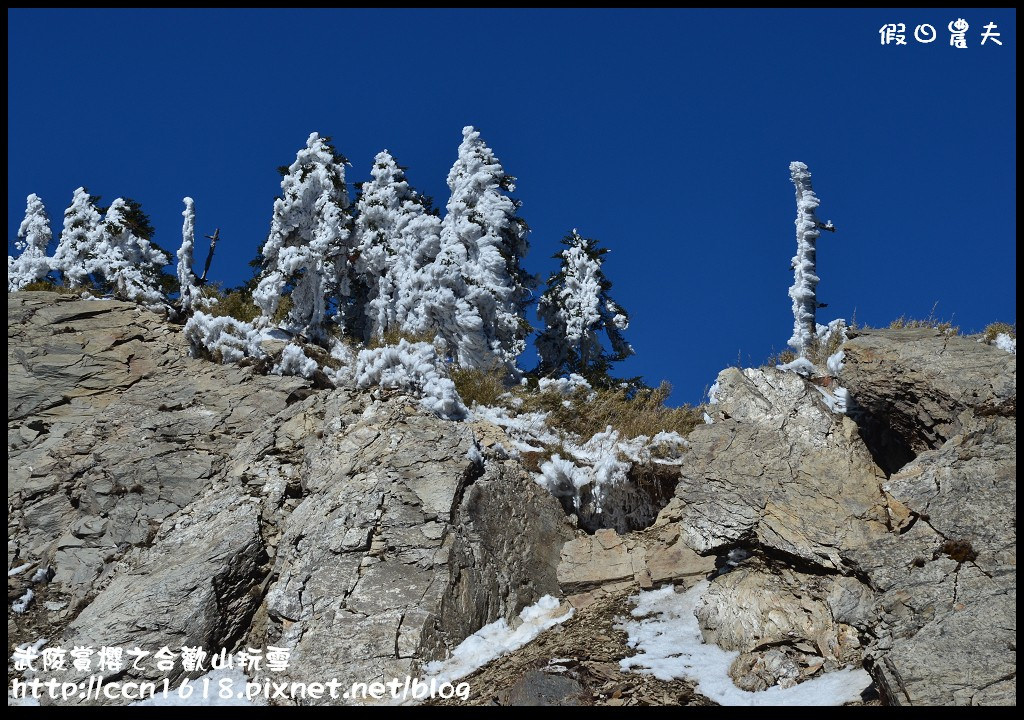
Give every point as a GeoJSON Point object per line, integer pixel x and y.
{"type": "Point", "coordinates": [155, 499]}
{"type": "Point", "coordinates": [178, 502]}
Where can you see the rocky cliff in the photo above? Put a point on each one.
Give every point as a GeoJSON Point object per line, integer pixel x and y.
{"type": "Point", "coordinates": [159, 500]}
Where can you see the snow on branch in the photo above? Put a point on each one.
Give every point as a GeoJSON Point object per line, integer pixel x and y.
{"type": "Point", "coordinates": [414, 368]}
{"type": "Point", "coordinates": [805, 280]}
{"type": "Point", "coordinates": [223, 338]}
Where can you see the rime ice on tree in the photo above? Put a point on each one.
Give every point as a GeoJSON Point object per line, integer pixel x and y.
{"type": "Point", "coordinates": [79, 240]}
{"type": "Point", "coordinates": [186, 279]}
{"type": "Point", "coordinates": [575, 308]}
{"type": "Point", "coordinates": [128, 263]}
{"type": "Point", "coordinates": [395, 236]}
{"type": "Point", "coordinates": [34, 237]}
{"type": "Point", "coordinates": [805, 281]}
{"type": "Point", "coordinates": [475, 291]}
{"type": "Point", "coordinates": [308, 248]}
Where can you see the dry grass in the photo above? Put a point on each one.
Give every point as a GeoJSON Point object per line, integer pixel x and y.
{"type": "Point", "coordinates": [482, 387]}
{"type": "Point", "coordinates": [643, 413]}
{"type": "Point", "coordinates": [819, 352]}
{"type": "Point", "coordinates": [1000, 328]}
{"type": "Point", "coordinates": [584, 413]}
{"type": "Point", "coordinates": [235, 303]}
{"type": "Point", "coordinates": [932, 321]}
{"type": "Point", "coordinates": [780, 358]}
{"type": "Point", "coordinates": [394, 336]}
{"type": "Point", "coordinates": [50, 286]}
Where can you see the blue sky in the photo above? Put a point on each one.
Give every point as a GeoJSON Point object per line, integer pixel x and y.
{"type": "Point", "coordinates": [665, 134]}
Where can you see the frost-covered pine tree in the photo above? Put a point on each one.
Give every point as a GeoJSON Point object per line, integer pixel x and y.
{"type": "Point", "coordinates": [34, 235]}
{"type": "Point", "coordinates": [475, 292]}
{"type": "Point", "coordinates": [576, 308]}
{"type": "Point", "coordinates": [128, 263]}
{"type": "Point", "coordinates": [307, 252]}
{"type": "Point", "coordinates": [805, 280]}
{"type": "Point", "coordinates": [76, 251]}
{"type": "Point", "coordinates": [188, 291]}
{"type": "Point", "coordinates": [395, 237]}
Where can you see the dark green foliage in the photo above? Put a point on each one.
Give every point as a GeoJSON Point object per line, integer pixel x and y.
{"type": "Point", "coordinates": [581, 351]}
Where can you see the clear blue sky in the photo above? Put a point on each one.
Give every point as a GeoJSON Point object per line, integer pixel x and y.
{"type": "Point", "coordinates": [665, 134]}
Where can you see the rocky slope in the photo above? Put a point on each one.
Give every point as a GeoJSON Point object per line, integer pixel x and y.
{"type": "Point", "coordinates": [172, 501]}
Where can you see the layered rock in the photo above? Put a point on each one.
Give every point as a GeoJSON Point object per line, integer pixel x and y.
{"type": "Point", "coordinates": [159, 500]}
{"type": "Point", "coordinates": [182, 503]}
{"type": "Point", "coordinates": [915, 571]}
{"type": "Point", "coordinates": [945, 631]}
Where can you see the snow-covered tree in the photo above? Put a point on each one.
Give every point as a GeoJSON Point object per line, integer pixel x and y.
{"type": "Point", "coordinates": [79, 240]}
{"type": "Point", "coordinates": [805, 280]}
{"type": "Point", "coordinates": [188, 290]}
{"type": "Point", "coordinates": [576, 309]}
{"type": "Point", "coordinates": [34, 237]}
{"type": "Point", "coordinates": [475, 292]}
{"type": "Point", "coordinates": [129, 264]}
{"type": "Point", "coordinates": [308, 250]}
{"type": "Point", "coordinates": [396, 236]}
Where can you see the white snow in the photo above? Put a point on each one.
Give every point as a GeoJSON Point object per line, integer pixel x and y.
{"type": "Point", "coordinates": [309, 240]}
{"type": "Point", "coordinates": [129, 263]}
{"type": "Point", "coordinates": [575, 308]}
{"type": "Point", "coordinates": [713, 393]}
{"type": "Point", "coordinates": [1005, 342]}
{"type": "Point", "coordinates": [497, 639]}
{"type": "Point", "coordinates": [565, 386]}
{"type": "Point", "coordinates": [233, 339]}
{"type": "Point", "coordinates": [601, 465]}
{"type": "Point", "coordinates": [191, 297]}
{"type": "Point", "coordinates": [40, 575]}
{"type": "Point", "coordinates": [835, 363]}
{"type": "Point", "coordinates": [414, 368]}
{"type": "Point", "coordinates": [837, 398]}
{"type": "Point", "coordinates": [473, 294]}
{"type": "Point", "coordinates": [21, 604]}
{"type": "Point", "coordinates": [79, 240]}
{"type": "Point", "coordinates": [801, 366]}
{"type": "Point", "coordinates": [561, 477]}
{"type": "Point", "coordinates": [529, 432]}
{"type": "Point", "coordinates": [708, 420]}
{"type": "Point", "coordinates": [295, 362]}
{"type": "Point", "coordinates": [20, 569]}
{"type": "Point", "coordinates": [805, 281]}
{"type": "Point", "coordinates": [34, 236]}
{"type": "Point", "coordinates": [670, 646]}
{"type": "Point", "coordinates": [395, 238]}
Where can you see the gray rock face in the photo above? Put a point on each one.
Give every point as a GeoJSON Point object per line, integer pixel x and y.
{"type": "Point", "coordinates": [177, 502]}
{"type": "Point", "coordinates": [402, 546]}
{"type": "Point", "coordinates": [182, 503]}
{"type": "Point", "coordinates": [915, 572]}
{"type": "Point", "coordinates": [946, 629]}
{"type": "Point", "coordinates": [112, 429]}
{"type": "Point", "coordinates": [774, 459]}
{"type": "Point", "coordinates": [918, 381]}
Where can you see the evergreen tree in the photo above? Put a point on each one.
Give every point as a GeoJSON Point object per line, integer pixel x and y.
{"type": "Point", "coordinates": [396, 236]}
{"type": "Point", "coordinates": [805, 279]}
{"type": "Point", "coordinates": [126, 263]}
{"type": "Point", "coordinates": [76, 251]}
{"type": "Point", "coordinates": [475, 292]}
{"type": "Point", "coordinates": [34, 235]}
{"type": "Point", "coordinates": [307, 252]}
{"type": "Point", "coordinates": [576, 308]}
